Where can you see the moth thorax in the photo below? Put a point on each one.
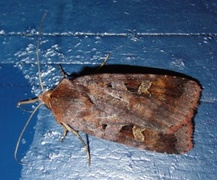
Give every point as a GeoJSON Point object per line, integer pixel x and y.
{"type": "Point", "coordinates": [45, 97]}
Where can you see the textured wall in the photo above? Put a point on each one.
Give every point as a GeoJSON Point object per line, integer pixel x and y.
{"type": "Point", "coordinates": [178, 36]}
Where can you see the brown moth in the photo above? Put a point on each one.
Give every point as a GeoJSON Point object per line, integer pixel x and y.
{"type": "Point", "coordinates": [148, 111]}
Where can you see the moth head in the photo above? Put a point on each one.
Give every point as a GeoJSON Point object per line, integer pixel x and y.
{"type": "Point", "coordinates": [45, 98]}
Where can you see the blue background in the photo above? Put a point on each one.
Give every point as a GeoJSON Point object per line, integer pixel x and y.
{"type": "Point", "coordinates": [179, 36]}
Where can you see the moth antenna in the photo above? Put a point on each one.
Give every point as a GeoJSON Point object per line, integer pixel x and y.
{"type": "Point", "coordinates": [37, 51]}
{"type": "Point", "coordinates": [103, 63]}
{"type": "Point", "coordinates": [33, 99]}
{"type": "Point", "coordinates": [21, 134]}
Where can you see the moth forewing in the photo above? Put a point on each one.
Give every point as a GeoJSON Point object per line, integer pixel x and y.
{"type": "Point", "coordinates": [148, 111]}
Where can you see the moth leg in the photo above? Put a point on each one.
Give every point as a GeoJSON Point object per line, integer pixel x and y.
{"type": "Point", "coordinates": [65, 75]}
{"type": "Point", "coordinates": [65, 131]}
{"type": "Point", "coordinates": [66, 128]}
{"type": "Point", "coordinates": [103, 63]}
{"type": "Point", "coordinates": [28, 101]}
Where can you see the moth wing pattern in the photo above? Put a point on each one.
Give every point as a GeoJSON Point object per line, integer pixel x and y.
{"type": "Point", "coordinates": [147, 111]}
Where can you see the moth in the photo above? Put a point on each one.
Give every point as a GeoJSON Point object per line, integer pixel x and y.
{"type": "Point", "coordinates": [148, 111]}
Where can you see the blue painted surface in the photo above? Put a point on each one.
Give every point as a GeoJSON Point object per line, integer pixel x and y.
{"type": "Point", "coordinates": [185, 42]}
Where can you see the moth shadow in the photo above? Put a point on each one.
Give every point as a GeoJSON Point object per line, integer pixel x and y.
{"type": "Point", "coordinates": [128, 69]}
